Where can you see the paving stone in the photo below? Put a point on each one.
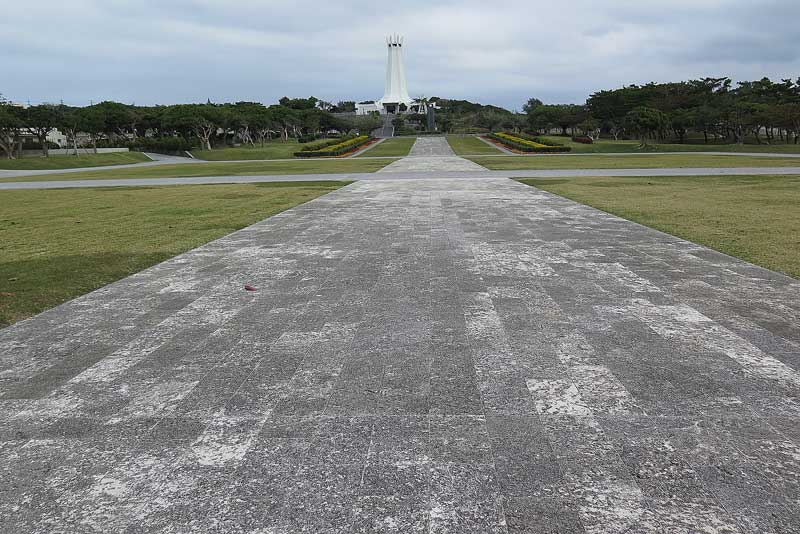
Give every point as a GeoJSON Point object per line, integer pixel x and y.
{"type": "Point", "coordinates": [421, 356]}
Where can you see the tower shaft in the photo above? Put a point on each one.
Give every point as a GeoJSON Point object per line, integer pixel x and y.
{"type": "Point", "coordinates": [396, 90]}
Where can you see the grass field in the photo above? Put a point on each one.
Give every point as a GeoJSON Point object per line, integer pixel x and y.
{"type": "Point", "coordinates": [755, 218]}
{"type": "Point", "coordinates": [470, 145]}
{"type": "Point", "coordinates": [395, 146]}
{"type": "Point", "coordinates": [221, 169]}
{"type": "Point", "coordinates": [270, 150]}
{"type": "Point", "coordinates": [56, 244]}
{"type": "Point", "coordinates": [36, 163]}
{"type": "Point", "coordinates": [612, 146]}
{"type": "Point", "coordinates": [636, 161]}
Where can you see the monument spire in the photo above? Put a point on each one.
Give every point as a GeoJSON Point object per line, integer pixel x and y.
{"type": "Point", "coordinates": [396, 90]}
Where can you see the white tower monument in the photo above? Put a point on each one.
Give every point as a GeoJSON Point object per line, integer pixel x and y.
{"type": "Point", "coordinates": [396, 93]}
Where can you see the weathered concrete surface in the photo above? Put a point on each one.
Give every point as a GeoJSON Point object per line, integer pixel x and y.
{"type": "Point", "coordinates": [430, 356]}
{"type": "Point", "coordinates": [431, 146]}
{"type": "Point", "coordinates": [431, 154]}
{"type": "Point", "coordinates": [401, 175]}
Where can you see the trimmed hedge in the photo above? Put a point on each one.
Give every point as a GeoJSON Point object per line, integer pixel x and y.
{"type": "Point", "coordinates": [536, 139]}
{"type": "Point", "coordinates": [322, 143]}
{"type": "Point", "coordinates": [337, 149]}
{"type": "Point", "coordinates": [526, 143]}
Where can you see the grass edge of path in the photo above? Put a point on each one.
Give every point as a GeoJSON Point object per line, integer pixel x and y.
{"type": "Point", "coordinates": [64, 162]}
{"type": "Point", "coordinates": [735, 234]}
{"type": "Point", "coordinates": [96, 242]}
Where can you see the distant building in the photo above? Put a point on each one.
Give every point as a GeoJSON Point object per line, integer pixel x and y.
{"type": "Point", "coordinates": [365, 108]}
{"type": "Point", "coordinates": [395, 96]}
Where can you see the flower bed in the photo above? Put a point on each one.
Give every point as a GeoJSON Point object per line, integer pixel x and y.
{"type": "Point", "coordinates": [314, 145]}
{"type": "Point", "coordinates": [525, 143]}
{"type": "Point", "coordinates": [336, 149]}
{"type": "Point", "coordinates": [536, 139]}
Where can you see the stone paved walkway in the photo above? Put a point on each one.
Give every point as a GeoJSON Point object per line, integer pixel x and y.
{"type": "Point", "coordinates": [431, 154]}
{"type": "Point", "coordinates": [430, 356]}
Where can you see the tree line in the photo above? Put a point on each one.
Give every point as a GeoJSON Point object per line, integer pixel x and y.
{"type": "Point", "coordinates": [762, 111]}
{"type": "Point", "coordinates": [176, 126]}
{"type": "Point", "coordinates": [714, 109]}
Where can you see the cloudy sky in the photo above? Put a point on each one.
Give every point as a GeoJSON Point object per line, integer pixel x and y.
{"type": "Point", "coordinates": [169, 51]}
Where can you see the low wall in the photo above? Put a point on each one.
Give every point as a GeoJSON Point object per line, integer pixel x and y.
{"type": "Point", "coordinates": [70, 152]}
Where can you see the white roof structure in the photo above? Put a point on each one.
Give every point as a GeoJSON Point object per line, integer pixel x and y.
{"type": "Point", "coordinates": [396, 91]}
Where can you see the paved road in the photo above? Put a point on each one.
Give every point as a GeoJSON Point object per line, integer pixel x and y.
{"type": "Point", "coordinates": [431, 154]}
{"type": "Point", "coordinates": [421, 356]}
{"type": "Point", "coordinates": [387, 127]}
{"type": "Point", "coordinates": [431, 146]}
{"type": "Point", "coordinates": [156, 159]}
{"type": "Point", "coordinates": [400, 174]}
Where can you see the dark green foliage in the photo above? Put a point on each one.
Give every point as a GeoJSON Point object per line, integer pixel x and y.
{"type": "Point", "coordinates": [645, 122]}
{"type": "Point", "coordinates": [544, 117]}
{"type": "Point", "coordinates": [161, 144]}
{"type": "Point", "coordinates": [709, 106]}
{"type": "Point", "coordinates": [462, 116]}
{"type": "Point", "coordinates": [299, 103]}
{"type": "Point", "coordinates": [10, 127]}
{"type": "Point", "coordinates": [39, 120]}
{"type": "Point", "coordinates": [346, 106]}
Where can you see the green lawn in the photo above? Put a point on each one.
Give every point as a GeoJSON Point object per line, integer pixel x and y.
{"type": "Point", "coordinates": [36, 163]}
{"type": "Point", "coordinates": [755, 218]}
{"type": "Point", "coordinates": [270, 150]}
{"type": "Point", "coordinates": [247, 168]}
{"type": "Point", "coordinates": [612, 146]}
{"type": "Point", "coordinates": [470, 145]}
{"type": "Point", "coordinates": [395, 146]}
{"type": "Point", "coordinates": [56, 244]}
{"type": "Point", "coordinates": [636, 161]}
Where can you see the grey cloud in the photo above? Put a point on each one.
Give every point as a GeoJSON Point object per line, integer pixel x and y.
{"type": "Point", "coordinates": [190, 50]}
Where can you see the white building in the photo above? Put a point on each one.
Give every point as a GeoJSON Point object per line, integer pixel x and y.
{"type": "Point", "coordinates": [395, 96]}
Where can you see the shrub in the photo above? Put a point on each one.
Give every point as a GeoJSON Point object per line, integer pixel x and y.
{"type": "Point", "coordinates": [160, 144]}
{"type": "Point", "coordinates": [536, 139]}
{"type": "Point", "coordinates": [525, 145]}
{"type": "Point", "coordinates": [405, 130]}
{"type": "Point", "coordinates": [583, 139]}
{"type": "Point", "coordinates": [340, 147]}
{"type": "Point", "coordinates": [322, 143]}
